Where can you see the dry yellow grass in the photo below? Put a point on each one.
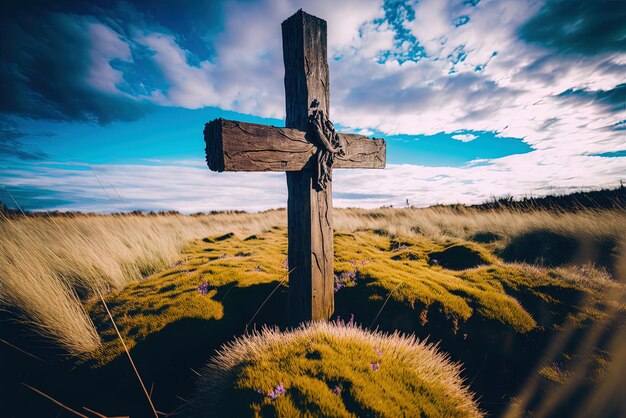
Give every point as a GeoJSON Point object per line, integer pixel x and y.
{"type": "Point", "coordinates": [463, 222]}
{"type": "Point", "coordinates": [50, 264]}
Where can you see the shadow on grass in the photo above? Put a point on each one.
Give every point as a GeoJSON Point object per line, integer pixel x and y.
{"type": "Point", "coordinates": [166, 361]}
{"type": "Point", "coordinates": [497, 360]}
{"type": "Point", "coordinates": [473, 351]}
{"type": "Point", "coordinates": [541, 247]}
{"type": "Point", "coordinates": [485, 237]}
{"type": "Point", "coordinates": [551, 249]}
{"type": "Point", "coordinates": [458, 257]}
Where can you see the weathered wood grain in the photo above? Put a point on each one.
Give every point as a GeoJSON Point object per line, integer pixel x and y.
{"type": "Point", "coordinates": [309, 212]}
{"type": "Point", "coordinates": [240, 146]}
{"type": "Point", "coordinates": [214, 149]}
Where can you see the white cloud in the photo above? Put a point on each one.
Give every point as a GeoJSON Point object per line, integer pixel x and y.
{"type": "Point", "coordinates": [503, 85]}
{"type": "Point", "coordinates": [365, 132]}
{"type": "Point", "coordinates": [149, 187]}
{"type": "Point", "coordinates": [464, 137]}
{"type": "Point", "coordinates": [190, 87]}
{"type": "Point", "coordinates": [193, 188]}
{"type": "Point", "coordinates": [514, 94]}
{"type": "Point", "coordinates": [247, 72]}
{"type": "Point", "coordinates": [106, 45]}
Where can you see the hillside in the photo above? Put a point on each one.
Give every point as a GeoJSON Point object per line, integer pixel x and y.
{"type": "Point", "coordinates": [594, 199]}
{"type": "Point", "coordinates": [531, 305]}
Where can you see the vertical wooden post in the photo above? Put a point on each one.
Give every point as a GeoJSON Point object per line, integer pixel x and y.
{"type": "Point", "coordinates": [310, 251]}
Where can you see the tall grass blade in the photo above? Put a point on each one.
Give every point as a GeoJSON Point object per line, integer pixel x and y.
{"type": "Point", "coordinates": [55, 401]}
{"type": "Point", "coordinates": [129, 356]}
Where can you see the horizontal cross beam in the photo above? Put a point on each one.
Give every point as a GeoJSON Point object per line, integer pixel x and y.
{"type": "Point", "coordinates": [240, 146]}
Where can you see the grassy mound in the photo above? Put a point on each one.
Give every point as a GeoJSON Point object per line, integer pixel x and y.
{"type": "Point", "coordinates": [219, 269]}
{"type": "Point", "coordinates": [459, 257]}
{"type": "Point", "coordinates": [510, 324]}
{"type": "Point", "coordinates": [211, 270]}
{"type": "Point", "coordinates": [404, 270]}
{"type": "Point", "coordinates": [541, 247]}
{"type": "Point", "coordinates": [331, 369]}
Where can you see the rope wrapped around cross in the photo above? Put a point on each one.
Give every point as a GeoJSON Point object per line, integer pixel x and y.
{"type": "Point", "coordinates": [321, 132]}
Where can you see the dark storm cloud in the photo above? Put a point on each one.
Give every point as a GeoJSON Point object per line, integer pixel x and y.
{"type": "Point", "coordinates": [613, 100]}
{"type": "Point", "coordinates": [45, 54]}
{"type": "Point", "coordinates": [192, 21]}
{"type": "Point", "coordinates": [30, 198]}
{"type": "Point", "coordinates": [11, 144]}
{"type": "Point", "coordinates": [45, 59]}
{"type": "Point", "coordinates": [579, 27]}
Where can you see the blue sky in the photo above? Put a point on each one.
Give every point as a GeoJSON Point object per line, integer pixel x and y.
{"type": "Point", "coordinates": [103, 103]}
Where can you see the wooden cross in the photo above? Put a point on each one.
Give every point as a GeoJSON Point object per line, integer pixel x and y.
{"type": "Point", "coordinates": [307, 149]}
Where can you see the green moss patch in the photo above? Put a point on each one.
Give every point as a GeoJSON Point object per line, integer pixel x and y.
{"type": "Point", "coordinates": [369, 267]}
{"type": "Point", "coordinates": [210, 270]}
{"type": "Point", "coordinates": [404, 270]}
{"type": "Point", "coordinates": [496, 317]}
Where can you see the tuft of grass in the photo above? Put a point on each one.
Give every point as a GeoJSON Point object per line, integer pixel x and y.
{"type": "Point", "coordinates": [331, 369]}
{"type": "Point", "coordinates": [564, 366]}
{"type": "Point", "coordinates": [46, 303]}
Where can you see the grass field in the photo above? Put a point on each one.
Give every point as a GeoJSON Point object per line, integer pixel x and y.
{"type": "Point", "coordinates": [532, 303]}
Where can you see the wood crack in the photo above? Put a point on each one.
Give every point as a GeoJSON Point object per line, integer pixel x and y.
{"type": "Point", "coordinates": [290, 138]}
{"type": "Point", "coordinates": [271, 151]}
{"type": "Point", "coordinates": [242, 146]}
{"type": "Point", "coordinates": [230, 145]}
{"type": "Point", "coordinates": [238, 125]}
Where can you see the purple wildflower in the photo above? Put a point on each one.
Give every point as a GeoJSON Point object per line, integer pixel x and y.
{"type": "Point", "coordinates": [375, 366]}
{"type": "Point", "coordinates": [346, 277]}
{"type": "Point", "coordinates": [203, 289]}
{"type": "Point", "coordinates": [278, 390]}
{"type": "Point", "coordinates": [336, 390]}
{"type": "Point", "coordinates": [351, 321]}
{"type": "Point", "coordinates": [379, 352]}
